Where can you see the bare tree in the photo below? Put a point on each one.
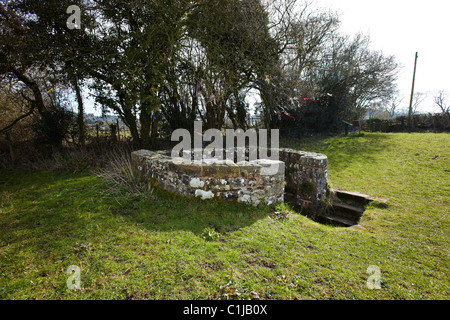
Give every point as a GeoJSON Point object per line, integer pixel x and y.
{"type": "Point", "coordinates": [419, 97]}
{"type": "Point", "coordinates": [440, 101]}
{"type": "Point", "coordinates": [394, 105]}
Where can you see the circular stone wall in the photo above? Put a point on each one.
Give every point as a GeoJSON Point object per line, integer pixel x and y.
{"type": "Point", "coordinates": [255, 182]}
{"type": "Point", "coordinates": [303, 175]}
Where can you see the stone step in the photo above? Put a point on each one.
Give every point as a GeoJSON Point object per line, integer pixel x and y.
{"type": "Point", "coordinates": [347, 211]}
{"type": "Point", "coordinates": [343, 214]}
{"type": "Point", "coordinates": [356, 198]}
{"type": "Point", "coordinates": [335, 220]}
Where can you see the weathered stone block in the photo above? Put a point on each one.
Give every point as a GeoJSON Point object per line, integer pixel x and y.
{"type": "Point", "coordinates": [188, 167]}
{"type": "Point", "coordinates": [244, 196]}
{"type": "Point", "coordinates": [227, 196]}
{"type": "Point", "coordinates": [314, 160]}
{"type": "Point", "coordinates": [252, 183]}
{"type": "Point", "coordinates": [238, 183]}
{"type": "Point", "coordinates": [220, 169]}
{"type": "Point", "coordinates": [218, 184]}
{"type": "Point", "coordinates": [196, 183]}
{"type": "Point", "coordinates": [270, 167]}
{"type": "Point", "coordinates": [249, 169]}
{"type": "Point", "coordinates": [205, 195]}
{"type": "Point", "coordinates": [142, 154]}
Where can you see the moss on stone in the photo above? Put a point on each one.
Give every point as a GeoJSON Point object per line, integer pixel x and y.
{"type": "Point", "coordinates": [307, 187]}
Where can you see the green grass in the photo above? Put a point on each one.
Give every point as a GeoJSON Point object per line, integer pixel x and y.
{"type": "Point", "coordinates": [167, 247]}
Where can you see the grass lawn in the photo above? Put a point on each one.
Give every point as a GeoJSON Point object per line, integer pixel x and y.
{"type": "Point", "coordinates": [165, 247]}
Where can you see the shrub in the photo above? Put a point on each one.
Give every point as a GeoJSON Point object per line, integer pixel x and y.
{"type": "Point", "coordinates": [120, 177]}
{"type": "Point", "coordinates": [54, 126]}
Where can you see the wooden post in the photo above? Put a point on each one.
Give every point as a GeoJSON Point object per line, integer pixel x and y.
{"type": "Point", "coordinates": [118, 130]}
{"type": "Point", "coordinates": [97, 128]}
{"type": "Point", "coordinates": [412, 94]}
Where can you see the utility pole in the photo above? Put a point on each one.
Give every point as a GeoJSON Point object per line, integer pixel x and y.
{"type": "Point", "coordinates": [412, 94]}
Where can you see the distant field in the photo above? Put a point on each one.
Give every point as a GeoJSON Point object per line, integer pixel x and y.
{"type": "Point", "coordinates": [159, 246]}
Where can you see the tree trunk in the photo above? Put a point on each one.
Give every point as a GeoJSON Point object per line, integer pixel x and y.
{"type": "Point", "coordinates": [154, 132]}
{"type": "Point", "coordinates": [130, 121]}
{"type": "Point", "coordinates": [146, 123]}
{"type": "Point", "coordinates": [38, 99]}
{"type": "Point", "coordinates": [80, 118]}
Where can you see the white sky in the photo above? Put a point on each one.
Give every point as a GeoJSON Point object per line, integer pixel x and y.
{"type": "Point", "coordinates": [402, 28]}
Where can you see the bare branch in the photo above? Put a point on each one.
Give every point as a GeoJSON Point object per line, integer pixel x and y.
{"type": "Point", "coordinates": [440, 101]}
{"type": "Point", "coordinates": [9, 127]}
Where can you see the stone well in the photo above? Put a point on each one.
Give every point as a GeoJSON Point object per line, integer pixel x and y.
{"type": "Point", "coordinates": [301, 174]}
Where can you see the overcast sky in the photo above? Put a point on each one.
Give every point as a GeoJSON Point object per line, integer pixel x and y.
{"type": "Point", "coordinates": [402, 28]}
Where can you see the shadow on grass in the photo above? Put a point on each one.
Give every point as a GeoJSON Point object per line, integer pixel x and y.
{"type": "Point", "coordinates": [49, 222]}
{"type": "Point", "coordinates": [342, 152]}
{"type": "Point", "coordinates": [170, 212]}
{"type": "Point", "coordinates": [55, 211]}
